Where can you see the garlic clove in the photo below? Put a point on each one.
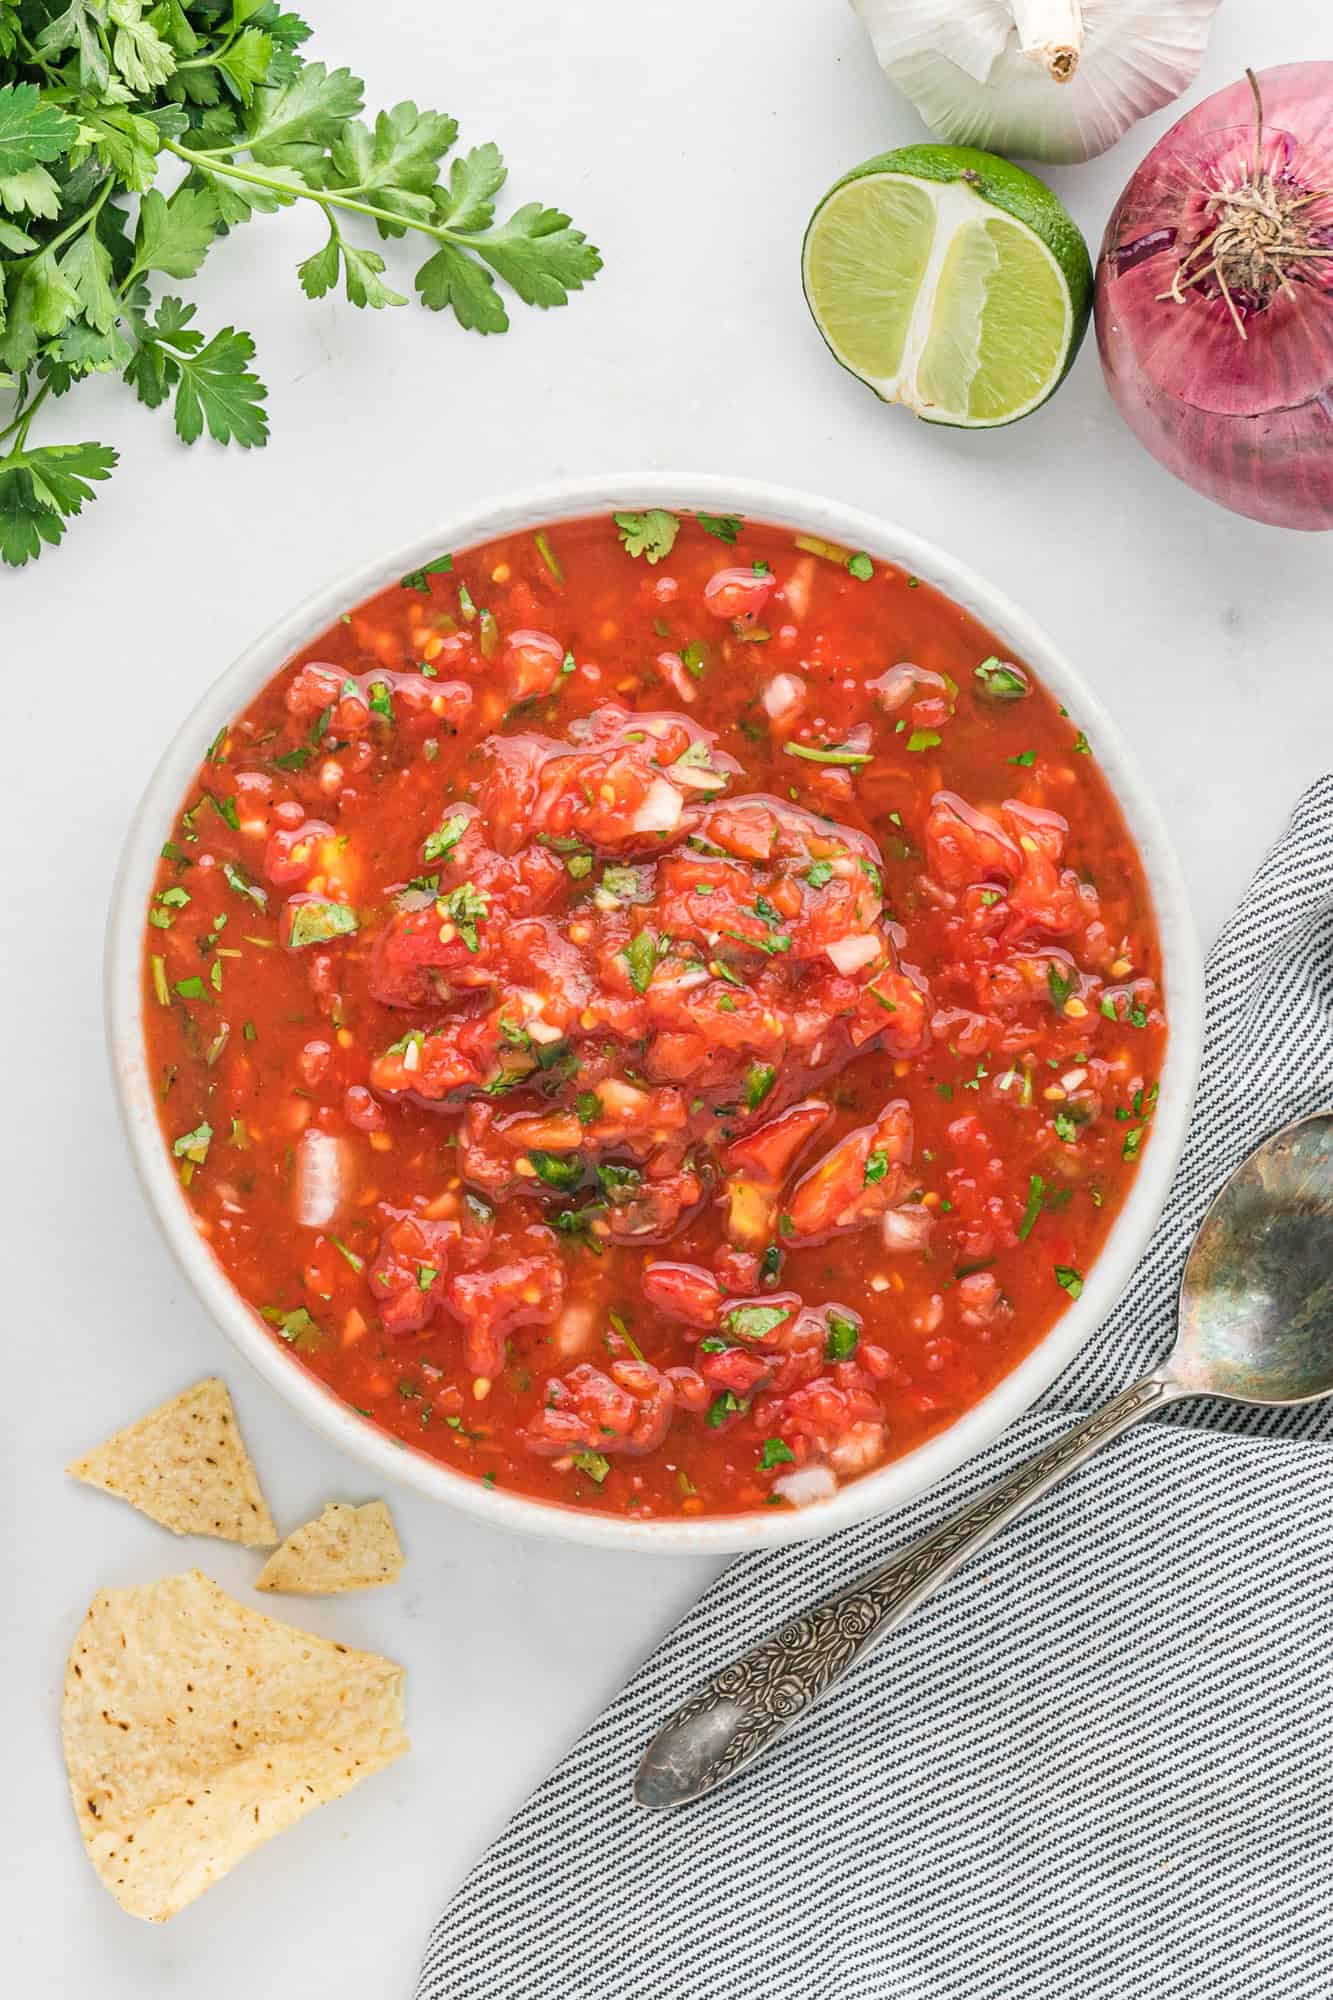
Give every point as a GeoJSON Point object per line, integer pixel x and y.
{"type": "Point", "coordinates": [1066, 79]}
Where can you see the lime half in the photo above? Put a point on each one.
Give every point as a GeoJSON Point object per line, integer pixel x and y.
{"type": "Point", "coordinates": [948, 280]}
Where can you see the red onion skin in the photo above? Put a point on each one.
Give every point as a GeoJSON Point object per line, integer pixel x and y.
{"type": "Point", "coordinates": [1248, 423]}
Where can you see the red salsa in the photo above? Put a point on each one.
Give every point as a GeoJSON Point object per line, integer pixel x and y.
{"type": "Point", "coordinates": [656, 1014]}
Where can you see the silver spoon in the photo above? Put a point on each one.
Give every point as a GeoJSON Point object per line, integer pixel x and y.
{"type": "Point", "coordinates": [1254, 1325]}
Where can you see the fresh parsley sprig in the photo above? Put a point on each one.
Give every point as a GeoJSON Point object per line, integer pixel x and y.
{"type": "Point", "coordinates": [97, 99]}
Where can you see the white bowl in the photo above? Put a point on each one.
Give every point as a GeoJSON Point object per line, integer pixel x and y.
{"type": "Point", "coordinates": [893, 1485]}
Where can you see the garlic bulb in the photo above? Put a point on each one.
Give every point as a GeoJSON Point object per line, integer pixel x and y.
{"type": "Point", "coordinates": [1042, 79]}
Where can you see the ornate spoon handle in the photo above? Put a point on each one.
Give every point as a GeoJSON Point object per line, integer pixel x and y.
{"type": "Point", "coordinates": [749, 1704]}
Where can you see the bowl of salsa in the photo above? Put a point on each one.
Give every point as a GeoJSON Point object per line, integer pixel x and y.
{"type": "Point", "coordinates": [660, 1015]}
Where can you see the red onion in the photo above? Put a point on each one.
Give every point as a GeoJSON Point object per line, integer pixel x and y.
{"type": "Point", "coordinates": [1215, 298]}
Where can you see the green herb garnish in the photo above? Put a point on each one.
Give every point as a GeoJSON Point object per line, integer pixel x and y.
{"type": "Point", "coordinates": [419, 579]}
{"type": "Point", "coordinates": [317, 920]}
{"type": "Point", "coordinates": [651, 534]}
{"type": "Point", "coordinates": [1000, 680]}
{"type": "Point", "coordinates": [843, 1336]}
{"type": "Point", "coordinates": [830, 753]}
{"type": "Point", "coordinates": [754, 1322]}
{"type": "Point", "coordinates": [641, 958]}
{"type": "Point", "coordinates": [466, 906]}
{"type": "Point", "coordinates": [193, 1146]}
{"type": "Point", "coordinates": [759, 1080]}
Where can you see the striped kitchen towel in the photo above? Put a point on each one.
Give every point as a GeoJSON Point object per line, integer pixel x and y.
{"type": "Point", "coordinates": [1095, 1767]}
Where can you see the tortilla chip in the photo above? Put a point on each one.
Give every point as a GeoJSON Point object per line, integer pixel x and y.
{"type": "Point", "coordinates": [184, 1465]}
{"type": "Point", "coordinates": [347, 1548]}
{"type": "Point", "coordinates": [195, 1728]}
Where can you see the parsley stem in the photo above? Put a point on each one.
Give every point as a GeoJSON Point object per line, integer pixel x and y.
{"type": "Point", "coordinates": [322, 197]}
{"type": "Point", "coordinates": [325, 198]}
{"type": "Point", "coordinates": [23, 420]}
{"type": "Point", "coordinates": [76, 228]}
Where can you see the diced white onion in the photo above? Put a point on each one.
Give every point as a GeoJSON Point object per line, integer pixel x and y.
{"type": "Point", "coordinates": [661, 808]}
{"type": "Point", "coordinates": [1072, 1078]}
{"type": "Point", "coordinates": [695, 779]}
{"type": "Point", "coordinates": [784, 696]}
{"type": "Point", "coordinates": [618, 1097]}
{"type": "Point", "coordinates": [858, 1449]}
{"type": "Point", "coordinates": [907, 1228]}
{"type": "Point", "coordinates": [412, 1056]}
{"type": "Point", "coordinates": [542, 1031]}
{"type": "Point", "coordinates": [850, 954]}
{"type": "Point", "coordinates": [574, 1329]}
{"type": "Point", "coordinates": [812, 1482]}
{"type": "Point", "coordinates": [323, 1178]}
{"type": "Point", "coordinates": [797, 587]}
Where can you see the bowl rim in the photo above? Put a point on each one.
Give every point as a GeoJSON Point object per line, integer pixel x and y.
{"type": "Point", "coordinates": [891, 1486]}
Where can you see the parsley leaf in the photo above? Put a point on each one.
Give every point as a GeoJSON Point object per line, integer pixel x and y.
{"type": "Point", "coordinates": [175, 236]}
{"type": "Point", "coordinates": [725, 527]}
{"type": "Point", "coordinates": [245, 885]}
{"type": "Point", "coordinates": [1036, 1195]}
{"type": "Point", "coordinates": [418, 579]}
{"type": "Point", "coordinates": [217, 389]}
{"type": "Point", "coordinates": [755, 1322]}
{"type": "Point", "coordinates": [557, 1170]}
{"type": "Point", "coordinates": [194, 1145]}
{"type": "Point", "coordinates": [32, 128]}
{"type": "Point", "coordinates": [317, 920]}
{"type": "Point", "coordinates": [843, 1336]}
{"type": "Point", "coordinates": [759, 1080]}
{"type": "Point", "coordinates": [445, 837]}
{"type": "Point", "coordinates": [775, 1452]}
{"type": "Point", "coordinates": [1001, 680]}
{"type": "Point", "coordinates": [641, 958]}
{"type": "Point", "coordinates": [98, 96]}
{"type": "Point", "coordinates": [467, 906]}
{"type": "Point", "coordinates": [651, 534]}
{"type": "Point", "coordinates": [1059, 985]}
{"type": "Point", "coordinates": [212, 381]}
{"type": "Point", "coordinates": [42, 487]}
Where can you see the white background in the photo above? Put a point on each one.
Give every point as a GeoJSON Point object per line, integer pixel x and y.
{"type": "Point", "coordinates": [691, 140]}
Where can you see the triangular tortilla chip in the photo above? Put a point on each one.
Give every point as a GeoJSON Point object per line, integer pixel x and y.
{"type": "Point", "coordinates": [195, 1728]}
{"type": "Point", "coordinates": [347, 1548]}
{"type": "Point", "coordinates": [185, 1465]}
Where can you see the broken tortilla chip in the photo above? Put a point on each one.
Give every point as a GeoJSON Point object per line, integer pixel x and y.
{"type": "Point", "coordinates": [347, 1548]}
{"type": "Point", "coordinates": [184, 1465]}
{"type": "Point", "coordinates": [195, 1728]}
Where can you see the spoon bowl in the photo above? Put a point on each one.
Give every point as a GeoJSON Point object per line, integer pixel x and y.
{"type": "Point", "coordinates": [1255, 1323]}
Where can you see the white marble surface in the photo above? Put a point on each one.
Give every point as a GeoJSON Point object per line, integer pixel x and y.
{"type": "Point", "coordinates": [690, 140]}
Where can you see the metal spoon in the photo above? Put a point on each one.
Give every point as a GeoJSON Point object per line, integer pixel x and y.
{"type": "Point", "coordinates": [1254, 1325]}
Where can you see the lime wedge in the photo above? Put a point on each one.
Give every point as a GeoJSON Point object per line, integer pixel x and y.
{"type": "Point", "coordinates": [949, 280]}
